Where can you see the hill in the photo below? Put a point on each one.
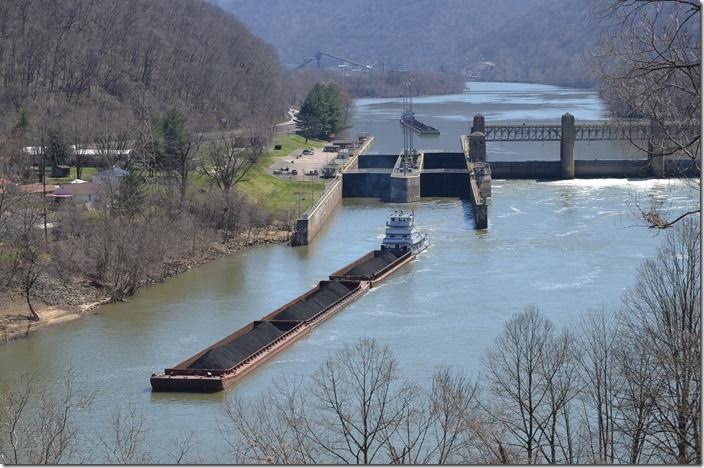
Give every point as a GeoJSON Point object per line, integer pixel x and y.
{"type": "Point", "coordinates": [77, 61]}
{"type": "Point", "coordinates": [529, 40]}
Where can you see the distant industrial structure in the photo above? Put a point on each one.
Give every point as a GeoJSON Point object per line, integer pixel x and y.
{"type": "Point", "coordinates": [318, 56]}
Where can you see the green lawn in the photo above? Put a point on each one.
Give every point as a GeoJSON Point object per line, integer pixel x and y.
{"type": "Point", "coordinates": [277, 194]}
{"type": "Point", "coordinates": [86, 174]}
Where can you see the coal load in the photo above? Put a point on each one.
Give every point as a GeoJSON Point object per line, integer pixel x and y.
{"type": "Point", "coordinates": [237, 350]}
{"type": "Point", "coordinates": [322, 298]}
{"type": "Point", "coordinates": [372, 266]}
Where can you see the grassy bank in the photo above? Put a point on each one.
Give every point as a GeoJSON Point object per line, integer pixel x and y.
{"type": "Point", "coordinates": [279, 195]}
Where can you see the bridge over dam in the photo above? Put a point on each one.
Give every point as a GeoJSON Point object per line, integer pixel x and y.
{"type": "Point", "coordinates": [468, 174]}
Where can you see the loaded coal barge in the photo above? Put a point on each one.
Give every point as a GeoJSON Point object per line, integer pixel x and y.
{"type": "Point", "coordinates": [224, 363]}
{"type": "Point", "coordinates": [409, 120]}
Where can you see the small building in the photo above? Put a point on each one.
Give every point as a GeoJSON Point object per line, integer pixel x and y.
{"type": "Point", "coordinates": [344, 144]}
{"type": "Point", "coordinates": [60, 171]}
{"type": "Point", "coordinates": [114, 174]}
{"type": "Point", "coordinates": [78, 193]}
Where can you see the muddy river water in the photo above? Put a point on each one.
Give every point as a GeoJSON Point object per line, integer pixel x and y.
{"type": "Point", "coordinates": [565, 246]}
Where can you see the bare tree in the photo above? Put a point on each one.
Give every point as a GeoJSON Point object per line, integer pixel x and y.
{"type": "Point", "coordinates": [354, 410]}
{"type": "Point", "coordinates": [37, 426]}
{"type": "Point", "coordinates": [453, 405]}
{"type": "Point", "coordinates": [270, 429]}
{"type": "Point", "coordinates": [358, 402]}
{"type": "Point", "coordinates": [633, 413]}
{"type": "Point", "coordinates": [663, 317]}
{"type": "Point", "coordinates": [651, 68]}
{"type": "Point", "coordinates": [531, 375]}
{"type": "Point", "coordinates": [601, 381]}
{"type": "Point", "coordinates": [31, 256]}
{"type": "Point", "coordinates": [125, 444]}
{"type": "Point", "coordinates": [228, 160]}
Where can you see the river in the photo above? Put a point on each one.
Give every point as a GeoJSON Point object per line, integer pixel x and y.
{"type": "Point", "coordinates": [565, 246]}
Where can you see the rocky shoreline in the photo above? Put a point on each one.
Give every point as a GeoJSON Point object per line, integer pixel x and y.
{"type": "Point", "coordinates": [58, 300]}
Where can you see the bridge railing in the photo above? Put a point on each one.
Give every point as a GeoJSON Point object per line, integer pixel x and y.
{"type": "Point", "coordinates": [629, 130]}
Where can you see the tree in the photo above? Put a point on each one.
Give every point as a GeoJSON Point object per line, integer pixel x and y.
{"type": "Point", "coordinates": [178, 147]}
{"type": "Point", "coordinates": [57, 150]}
{"type": "Point", "coordinates": [322, 112]}
{"type": "Point", "coordinates": [38, 426]}
{"type": "Point", "coordinates": [599, 373]}
{"type": "Point", "coordinates": [29, 249]}
{"type": "Point", "coordinates": [128, 196]}
{"type": "Point", "coordinates": [662, 313]}
{"type": "Point", "coordinates": [355, 410]}
{"type": "Point", "coordinates": [530, 375]}
{"type": "Point", "coordinates": [650, 63]}
{"type": "Point", "coordinates": [229, 159]}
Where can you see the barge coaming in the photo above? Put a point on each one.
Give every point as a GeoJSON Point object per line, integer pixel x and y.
{"type": "Point", "coordinates": [185, 378]}
{"type": "Point", "coordinates": [224, 363]}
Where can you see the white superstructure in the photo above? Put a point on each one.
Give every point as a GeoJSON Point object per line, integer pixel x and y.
{"type": "Point", "coordinates": [401, 235]}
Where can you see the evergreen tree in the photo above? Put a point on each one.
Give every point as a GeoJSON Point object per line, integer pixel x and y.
{"type": "Point", "coordinates": [322, 112]}
{"type": "Point", "coordinates": [57, 150]}
{"type": "Point", "coordinates": [129, 197]}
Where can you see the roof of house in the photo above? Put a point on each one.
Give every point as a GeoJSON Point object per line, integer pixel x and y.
{"type": "Point", "coordinates": [38, 188]}
{"type": "Point", "coordinates": [113, 172]}
{"type": "Point", "coordinates": [4, 181]}
{"type": "Point", "coordinates": [70, 190]}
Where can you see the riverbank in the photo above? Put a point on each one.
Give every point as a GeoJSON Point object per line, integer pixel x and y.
{"type": "Point", "coordinates": [58, 299]}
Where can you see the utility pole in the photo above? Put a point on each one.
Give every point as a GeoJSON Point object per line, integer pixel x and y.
{"type": "Point", "coordinates": [299, 193]}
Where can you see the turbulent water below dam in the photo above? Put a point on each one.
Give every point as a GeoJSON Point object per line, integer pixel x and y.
{"type": "Point", "coordinates": [566, 246]}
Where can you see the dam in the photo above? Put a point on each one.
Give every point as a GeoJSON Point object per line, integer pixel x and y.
{"type": "Point", "coordinates": [408, 177]}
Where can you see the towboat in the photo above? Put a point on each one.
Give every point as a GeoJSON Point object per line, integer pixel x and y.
{"type": "Point", "coordinates": [401, 235]}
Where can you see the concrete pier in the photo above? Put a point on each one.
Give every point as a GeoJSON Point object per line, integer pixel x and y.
{"type": "Point", "coordinates": [478, 124]}
{"type": "Point", "coordinates": [404, 184]}
{"type": "Point", "coordinates": [477, 147]}
{"type": "Point", "coordinates": [480, 186]}
{"type": "Point", "coordinates": [404, 188]}
{"type": "Point", "coordinates": [567, 146]}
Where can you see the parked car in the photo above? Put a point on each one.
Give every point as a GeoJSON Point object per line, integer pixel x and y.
{"type": "Point", "coordinates": [308, 152]}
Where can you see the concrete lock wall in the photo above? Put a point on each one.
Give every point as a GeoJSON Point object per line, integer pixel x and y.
{"type": "Point", "coordinates": [439, 183]}
{"type": "Point", "coordinates": [443, 160]}
{"type": "Point", "coordinates": [366, 184]}
{"type": "Point", "coordinates": [377, 161]}
{"type": "Point", "coordinates": [314, 219]}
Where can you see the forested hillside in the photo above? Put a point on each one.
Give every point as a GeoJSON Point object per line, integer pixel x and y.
{"type": "Point", "coordinates": [528, 40]}
{"type": "Point", "coordinates": [74, 60]}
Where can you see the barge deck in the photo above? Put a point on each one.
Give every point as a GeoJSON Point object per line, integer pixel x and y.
{"type": "Point", "coordinates": [224, 363]}
{"type": "Point", "coordinates": [419, 127]}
